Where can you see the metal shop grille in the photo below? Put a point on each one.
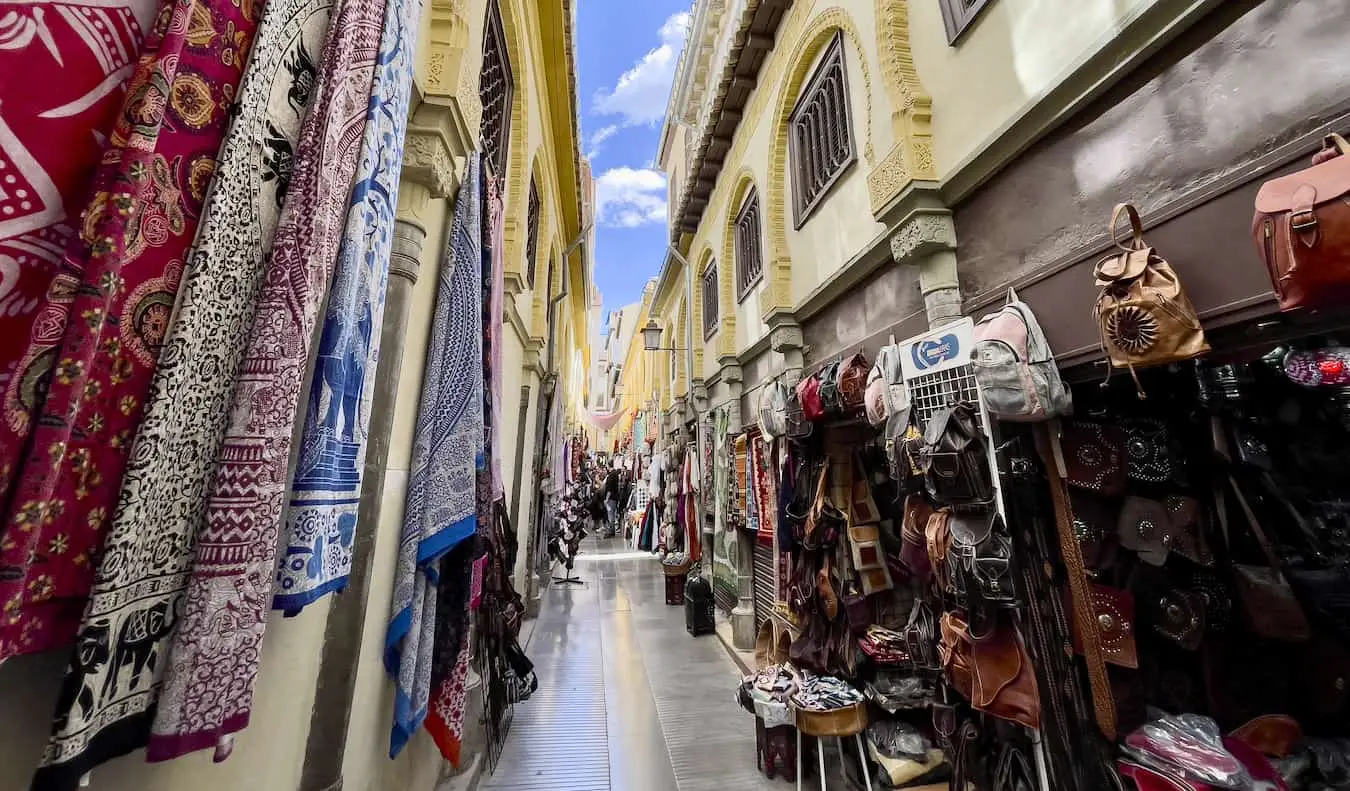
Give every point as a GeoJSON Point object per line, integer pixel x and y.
{"type": "Point", "coordinates": [724, 594]}
{"type": "Point", "coordinates": [932, 392]}
{"type": "Point", "coordinates": [764, 582]}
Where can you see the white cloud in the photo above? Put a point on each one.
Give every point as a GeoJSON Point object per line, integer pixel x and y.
{"type": "Point", "coordinates": [627, 197]}
{"type": "Point", "coordinates": [598, 139]}
{"type": "Point", "coordinates": [641, 93]}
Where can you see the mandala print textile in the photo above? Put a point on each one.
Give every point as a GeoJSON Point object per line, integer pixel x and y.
{"type": "Point", "coordinates": [441, 507]}
{"type": "Point", "coordinates": [494, 284]}
{"type": "Point", "coordinates": [160, 160]}
{"type": "Point", "coordinates": [321, 522]}
{"type": "Point", "coordinates": [118, 289]}
{"type": "Point", "coordinates": [52, 131]}
{"type": "Point", "coordinates": [219, 637]}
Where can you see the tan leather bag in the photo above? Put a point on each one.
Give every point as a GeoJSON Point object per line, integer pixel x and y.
{"type": "Point", "coordinates": [1143, 314]}
{"type": "Point", "coordinates": [994, 673]}
{"type": "Point", "coordinates": [1302, 230]}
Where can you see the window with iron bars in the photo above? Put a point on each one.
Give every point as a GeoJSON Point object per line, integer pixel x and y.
{"type": "Point", "coordinates": [495, 85]}
{"type": "Point", "coordinates": [958, 15]}
{"type": "Point", "coordinates": [532, 233]}
{"type": "Point", "coordinates": [749, 257]}
{"type": "Point", "coordinates": [821, 139]}
{"type": "Point", "coordinates": [710, 300]}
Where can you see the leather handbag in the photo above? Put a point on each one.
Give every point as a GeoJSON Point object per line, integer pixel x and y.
{"type": "Point", "coordinates": [1095, 529]}
{"type": "Point", "coordinates": [1145, 527]}
{"type": "Point", "coordinates": [808, 393]}
{"type": "Point", "coordinates": [1186, 531]}
{"type": "Point", "coordinates": [824, 521]}
{"type": "Point", "coordinates": [1148, 451]}
{"type": "Point", "coordinates": [938, 539]}
{"type": "Point", "coordinates": [994, 673]}
{"type": "Point", "coordinates": [1302, 230]}
{"type": "Point", "coordinates": [921, 637]}
{"type": "Point", "coordinates": [1113, 619]}
{"type": "Point", "coordinates": [1094, 457]}
{"type": "Point", "coordinates": [1143, 314]}
{"type": "Point", "coordinates": [955, 464]}
{"type": "Point", "coordinates": [913, 541]}
{"type": "Point", "coordinates": [904, 450]}
{"type": "Point", "coordinates": [1267, 601]}
{"type": "Point", "coordinates": [829, 389]}
{"type": "Point", "coordinates": [1180, 617]}
{"type": "Point", "coordinates": [980, 557]}
{"type": "Point", "coordinates": [853, 383]}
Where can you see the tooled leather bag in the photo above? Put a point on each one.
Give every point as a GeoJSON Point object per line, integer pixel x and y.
{"type": "Point", "coordinates": [1094, 457]}
{"type": "Point", "coordinates": [994, 673]}
{"type": "Point", "coordinates": [1143, 314]}
{"type": "Point", "coordinates": [1302, 230]}
{"type": "Point", "coordinates": [1113, 609]}
{"type": "Point", "coordinates": [955, 464]}
{"type": "Point", "coordinates": [853, 384]}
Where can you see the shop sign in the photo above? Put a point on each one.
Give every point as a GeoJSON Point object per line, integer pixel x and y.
{"type": "Point", "coordinates": [938, 350]}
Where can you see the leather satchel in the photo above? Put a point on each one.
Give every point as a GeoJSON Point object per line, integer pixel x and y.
{"type": "Point", "coordinates": [829, 389]}
{"type": "Point", "coordinates": [853, 383]}
{"type": "Point", "coordinates": [994, 673]}
{"type": "Point", "coordinates": [1302, 230]}
{"type": "Point", "coordinates": [808, 394]}
{"type": "Point", "coordinates": [980, 558]}
{"type": "Point", "coordinates": [904, 449]}
{"type": "Point", "coordinates": [1267, 601]}
{"type": "Point", "coordinates": [955, 464]}
{"type": "Point", "coordinates": [1113, 618]}
{"type": "Point", "coordinates": [1143, 314]}
{"type": "Point", "coordinates": [913, 541]}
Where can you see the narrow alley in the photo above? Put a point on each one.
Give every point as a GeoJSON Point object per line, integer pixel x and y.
{"type": "Point", "coordinates": [627, 698]}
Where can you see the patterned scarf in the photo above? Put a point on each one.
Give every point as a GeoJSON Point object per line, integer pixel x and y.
{"type": "Point", "coordinates": [442, 501]}
{"type": "Point", "coordinates": [52, 132]}
{"type": "Point", "coordinates": [236, 553]}
{"type": "Point", "coordinates": [97, 333]}
{"type": "Point", "coordinates": [119, 291]}
{"type": "Point", "coordinates": [321, 522]}
{"type": "Point", "coordinates": [761, 480]}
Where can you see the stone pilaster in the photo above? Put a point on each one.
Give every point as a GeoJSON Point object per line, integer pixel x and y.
{"type": "Point", "coordinates": [926, 238]}
{"type": "Point", "coordinates": [428, 174]}
{"type": "Point", "coordinates": [743, 614]}
{"type": "Point", "coordinates": [785, 337]}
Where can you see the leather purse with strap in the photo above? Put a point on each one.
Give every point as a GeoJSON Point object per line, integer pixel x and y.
{"type": "Point", "coordinates": [955, 464]}
{"type": "Point", "coordinates": [994, 673]}
{"type": "Point", "coordinates": [1302, 230]}
{"type": "Point", "coordinates": [853, 383]}
{"type": "Point", "coordinates": [1268, 602]}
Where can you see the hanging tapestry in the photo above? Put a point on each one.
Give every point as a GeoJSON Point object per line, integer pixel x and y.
{"type": "Point", "coordinates": [218, 642]}
{"type": "Point", "coordinates": [119, 290]}
{"type": "Point", "coordinates": [52, 132]}
{"type": "Point", "coordinates": [321, 522]}
{"type": "Point", "coordinates": [494, 284]}
{"type": "Point", "coordinates": [762, 474]}
{"type": "Point", "coordinates": [441, 507]}
{"type": "Point", "coordinates": [104, 315]}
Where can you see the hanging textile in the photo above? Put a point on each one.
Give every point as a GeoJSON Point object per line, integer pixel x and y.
{"type": "Point", "coordinates": [460, 574]}
{"type": "Point", "coordinates": [441, 509]}
{"type": "Point", "coordinates": [104, 317]}
{"type": "Point", "coordinates": [761, 482]}
{"type": "Point", "coordinates": [52, 132]}
{"type": "Point", "coordinates": [494, 285]}
{"type": "Point", "coordinates": [146, 199]}
{"type": "Point", "coordinates": [321, 522]}
{"type": "Point", "coordinates": [218, 641]}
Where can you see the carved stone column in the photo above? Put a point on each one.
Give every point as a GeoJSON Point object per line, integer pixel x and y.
{"type": "Point", "coordinates": [428, 173]}
{"type": "Point", "coordinates": [927, 239]}
{"type": "Point", "coordinates": [785, 337]}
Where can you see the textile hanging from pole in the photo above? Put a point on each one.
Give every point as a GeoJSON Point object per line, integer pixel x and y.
{"type": "Point", "coordinates": [218, 642]}
{"type": "Point", "coordinates": [321, 522]}
{"type": "Point", "coordinates": [143, 215]}
{"type": "Point", "coordinates": [96, 333]}
{"type": "Point", "coordinates": [441, 509]}
{"type": "Point", "coordinates": [603, 420]}
{"type": "Point", "coordinates": [52, 133]}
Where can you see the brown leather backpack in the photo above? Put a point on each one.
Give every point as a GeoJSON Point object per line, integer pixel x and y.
{"type": "Point", "coordinates": [1143, 314]}
{"type": "Point", "coordinates": [1302, 230]}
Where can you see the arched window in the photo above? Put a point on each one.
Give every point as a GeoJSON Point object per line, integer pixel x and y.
{"type": "Point", "coordinates": [495, 85]}
{"type": "Point", "coordinates": [820, 139]}
{"type": "Point", "coordinates": [532, 233]}
{"type": "Point", "coordinates": [749, 258]}
{"type": "Point", "coordinates": [710, 300]}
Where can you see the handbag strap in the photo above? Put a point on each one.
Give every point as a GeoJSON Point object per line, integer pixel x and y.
{"type": "Point", "coordinates": [1267, 548]}
{"type": "Point", "coordinates": [1103, 702]}
{"type": "Point", "coordinates": [1136, 227]}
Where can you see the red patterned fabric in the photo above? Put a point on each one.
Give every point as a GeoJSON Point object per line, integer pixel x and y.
{"type": "Point", "coordinates": [766, 494]}
{"type": "Point", "coordinates": [52, 131]}
{"type": "Point", "coordinates": [98, 330]}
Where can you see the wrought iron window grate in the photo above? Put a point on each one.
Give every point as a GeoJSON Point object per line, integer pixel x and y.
{"type": "Point", "coordinates": [821, 132]}
{"type": "Point", "coordinates": [532, 233]}
{"type": "Point", "coordinates": [749, 254]}
{"type": "Point", "coordinates": [710, 300]}
{"type": "Point", "coordinates": [495, 86]}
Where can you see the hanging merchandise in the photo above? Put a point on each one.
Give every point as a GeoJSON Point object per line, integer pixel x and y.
{"type": "Point", "coordinates": [1019, 380]}
{"type": "Point", "coordinates": [52, 133]}
{"type": "Point", "coordinates": [886, 393]}
{"type": "Point", "coordinates": [1302, 230]}
{"type": "Point", "coordinates": [176, 448]}
{"type": "Point", "coordinates": [321, 520]}
{"type": "Point", "coordinates": [441, 507]}
{"type": "Point", "coordinates": [773, 409]}
{"type": "Point", "coordinates": [1143, 315]}
{"type": "Point", "coordinates": [106, 315]}
{"type": "Point", "coordinates": [460, 573]}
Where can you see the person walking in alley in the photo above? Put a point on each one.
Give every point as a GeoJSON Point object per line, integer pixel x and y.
{"type": "Point", "coordinates": [611, 492]}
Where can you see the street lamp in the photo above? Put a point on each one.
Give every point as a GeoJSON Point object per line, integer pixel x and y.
{"type": "Point", "coordinates": [651, 339]}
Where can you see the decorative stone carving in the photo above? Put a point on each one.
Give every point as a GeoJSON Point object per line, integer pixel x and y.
{"type": "Point", "coordinates": [923, 234]}
{"type": "Point", "coordinates": [427, 160]}
{"type": "Point", "coordinates": [447, 38]}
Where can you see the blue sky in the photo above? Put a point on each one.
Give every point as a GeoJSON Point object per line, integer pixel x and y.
{"type": "Point", "coordinates": [627, 51]}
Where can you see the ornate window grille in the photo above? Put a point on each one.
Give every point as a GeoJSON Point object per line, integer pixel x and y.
{"type": "Point", "coordinates": [821, 138]}
{"type": "Point", "coordinates": [710, 300]}
{"type": "Point", "coordinates": [495, 86]}
{"type": "Point", "coordinates": [958, 15]}
{"type": "Point", "coordinates": [749, 254]}
{"type": "Point", "coordinates": [532, 233]}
